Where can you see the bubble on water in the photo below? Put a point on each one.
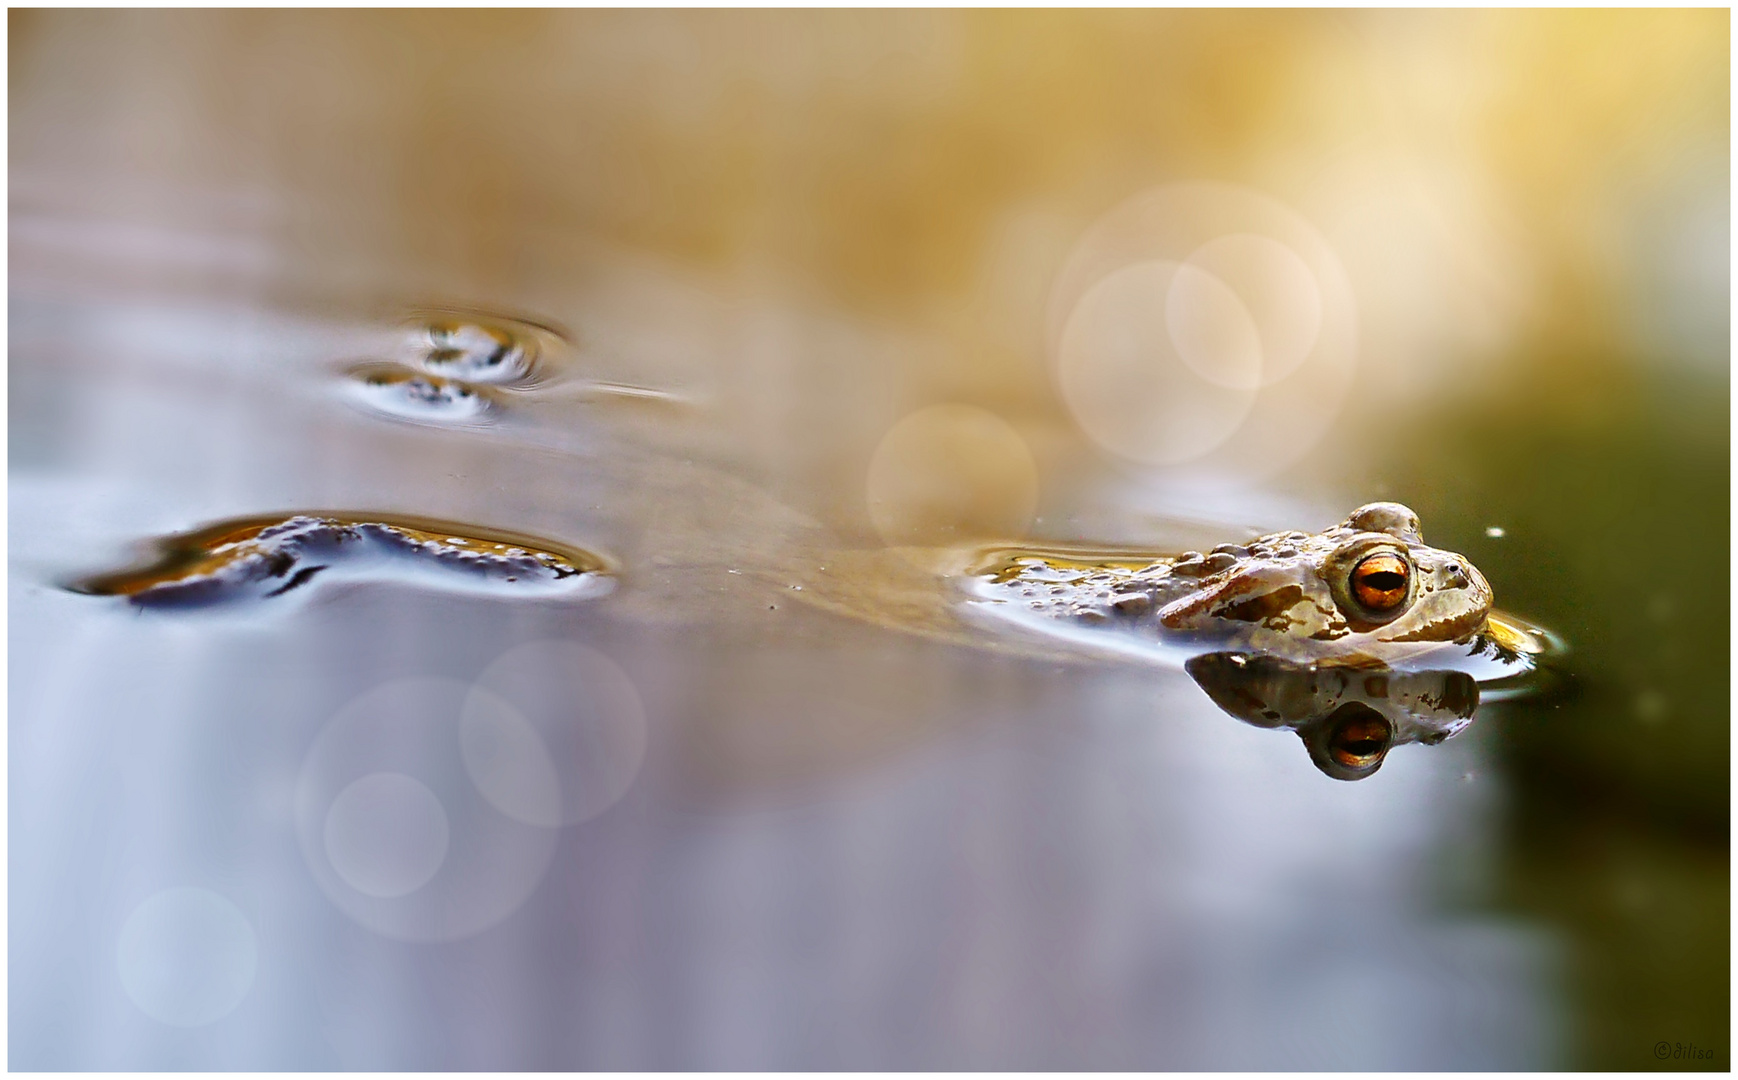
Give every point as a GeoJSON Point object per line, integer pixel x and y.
{"type": "Point", "coordinates": [369, 836]}
{"type": "Point", "coordinates": [482, 347]}
{"type": "Point", "coordinates": [468, 368]}
{"type": "Point", "coordinates": [1128, 384]}
{"type": "Point", "coordinates": [951, 472]}
{"type": "Point", "coordinates": [553, 733]}
{"type": "Point", "coordinates": [477, 352]}
{"type": "Point", "coordinates": [186, 957]}
{"type": "Point", "coordinates": [419, 397]}
{"type": "Point", "coordinates": [386, 834]}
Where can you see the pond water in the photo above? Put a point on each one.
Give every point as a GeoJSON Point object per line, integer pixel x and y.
{"type": "Point", "coordinates": [475, 608]}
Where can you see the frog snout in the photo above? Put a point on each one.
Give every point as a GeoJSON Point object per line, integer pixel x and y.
{"type": "Point", "coordinates": [1456, 573]}
{"type": "Point", "coordinates": [1463, 575]}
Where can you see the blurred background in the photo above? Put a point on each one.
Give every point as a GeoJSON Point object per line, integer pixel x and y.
{"type": "Point", "coordinates": [896, 278]}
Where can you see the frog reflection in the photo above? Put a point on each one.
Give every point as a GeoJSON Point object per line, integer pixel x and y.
{"type": "Point", "coordinates": [1349, 717]}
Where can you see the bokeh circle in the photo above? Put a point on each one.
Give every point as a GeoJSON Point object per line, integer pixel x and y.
{"type": "Point", "coordinates": [553, 733]}
{"type": "Point", "coordinates": [386, 834]}
{"type": "Point", "coordinates": [1125, 376]}
{"type": "Point", "coordinates": [1274, 287]}
{"type": "Point", "coordinates": [1214, 241]}
{"type": "Point", "coordinates": [951, 472]}
{"type": "Point", "coordinates": [186, 957]}
{"type": "Point", "coordinates": [394, 829]}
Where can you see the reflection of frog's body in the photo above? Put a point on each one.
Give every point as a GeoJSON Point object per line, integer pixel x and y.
{"type": "Point", "coordinates": [1348, 717]}
{"type": "Point", "coordinates": [1368, 587]}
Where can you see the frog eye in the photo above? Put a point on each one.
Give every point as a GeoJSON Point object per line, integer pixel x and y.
{"type": "Point", "coordinates": [1360, 739]}
{"type": "Point", "coordinates": [1350, 742]}
{"type": "Point", "coordinates": [1379, 581]}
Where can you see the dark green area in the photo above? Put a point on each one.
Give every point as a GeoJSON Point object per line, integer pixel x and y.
{"type": "Point", "coordinates": [1616, 516]}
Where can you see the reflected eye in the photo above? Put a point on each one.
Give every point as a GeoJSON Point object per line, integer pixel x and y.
{"type": "Point", "coordinates": [1379, 581]}
{"type": "Point", "coordinates": [1350, 742]}
{"type": "Point", "coordinates": [1359, 739]}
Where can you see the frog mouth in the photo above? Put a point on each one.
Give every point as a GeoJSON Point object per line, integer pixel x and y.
{"type": "Point", "coordinates": [1448, 628]}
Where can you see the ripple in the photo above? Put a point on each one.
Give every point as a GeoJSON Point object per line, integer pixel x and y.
{"type": "Point", "coordinates": [468, 368]}
{"type": "Point", "coordinates": [455, 367]}
{"type": "Point", "coordinates": [486, 348]}
{"type": "Point", "coordinates": [419, 397]}
{"type": "Point", "coordinates": [267, 557]}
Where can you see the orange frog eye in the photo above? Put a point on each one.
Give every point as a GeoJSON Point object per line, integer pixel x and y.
{"type": "Point", "coordinates": [1379, 581]}
{"type": "Point", "coordinates": [1360, 739]}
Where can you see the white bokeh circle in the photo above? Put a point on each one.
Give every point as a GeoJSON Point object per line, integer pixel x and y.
{"type": "Point", "coordinates": [1275, 288]}
{"type": "Point", "coordinates": [1290, 287]}
{"type": "Point", "coordinates": [553, 733]}
{"type": "Point", "coordinates": [186, 957]}
{"type": "Point", "coordinates": [380, 780]}
{"type": "Point", "coordinates": [1126, 381]}
{"type": "Point", "coordinates": [386, 834]}
{"type": "Point", "coordinates": [1211, 330]}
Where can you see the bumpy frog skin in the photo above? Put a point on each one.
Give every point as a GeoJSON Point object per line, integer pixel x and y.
{"type": "Point", "coordinates": [1368, 586]}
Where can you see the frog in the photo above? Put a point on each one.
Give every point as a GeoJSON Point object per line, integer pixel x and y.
{"type": "Point", "coordinates": [1365, 589]}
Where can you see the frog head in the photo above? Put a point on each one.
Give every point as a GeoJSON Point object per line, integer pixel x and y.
{"type": "Point", "coordinates": [1369, 582]}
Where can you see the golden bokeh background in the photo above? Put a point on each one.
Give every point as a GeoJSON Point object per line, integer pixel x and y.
{"type": "Point", "coordinates": [1492, 179]}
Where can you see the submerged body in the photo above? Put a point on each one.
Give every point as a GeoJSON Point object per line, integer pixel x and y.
{"type": "Point", "coordinates": [266, 557]}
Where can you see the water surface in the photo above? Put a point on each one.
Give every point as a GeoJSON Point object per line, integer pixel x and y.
{"type": "Point", "coordinates": [751, 337]}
